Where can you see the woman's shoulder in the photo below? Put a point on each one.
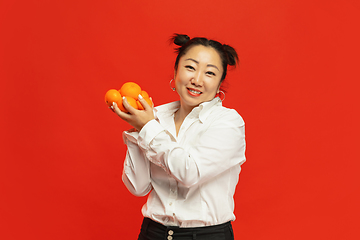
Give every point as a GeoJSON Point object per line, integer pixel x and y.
{"type": "Point", "coordinates": [167, 106]}
{"type": "Point", "coordinates": [220, 113]}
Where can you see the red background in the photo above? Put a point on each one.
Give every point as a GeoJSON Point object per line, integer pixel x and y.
{"type": "Point", "coordinates": [296, 87]}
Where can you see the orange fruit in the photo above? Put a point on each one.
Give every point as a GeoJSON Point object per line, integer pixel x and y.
{"type": "Point", "coordinates": [140, 106]}
{"type": "Point", "coordinates": [120, 105]}
{"type": "Point", "coordinates": [111, 96]}
{"type": "Point", "coordinates": [130, 100]}
{"type": "Point", "coordinates": [130, 89]}
{"type": "Point", "coordinates": [144, 94]}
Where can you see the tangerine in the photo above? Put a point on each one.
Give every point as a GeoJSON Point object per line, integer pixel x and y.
{"type": "Point", "coordinates": [111, 96]}
{"type": "Point", "coordinates": [130, 89]}
{"type": "Point", "coordinates": [130, 100]}
{"type": "Point", "coordinates": [140, 106]}
{"type": "Point", "coordinates": [144, 94]}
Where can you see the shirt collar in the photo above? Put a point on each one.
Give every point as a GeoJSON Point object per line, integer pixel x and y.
{"type": "Point", "coordinates": [206, 108]}
{"type": "Point", "coordinates": [202, 111]}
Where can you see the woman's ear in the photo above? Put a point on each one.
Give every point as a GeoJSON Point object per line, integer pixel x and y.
{"type": "Point", "coordinates": [218, 90]}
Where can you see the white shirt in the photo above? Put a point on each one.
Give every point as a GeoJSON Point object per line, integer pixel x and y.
{"type": "Point", "coordinates": [192, 176]}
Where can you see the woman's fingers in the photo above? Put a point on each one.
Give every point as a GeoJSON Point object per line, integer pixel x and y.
{"type": "Point", "coordinates": [120, 113]}
{"type": "Point", "coordinates": [115, 108]}
{"type": "Point", "coordinates": [128, 107]}
{"type": "Point", "coordinates": [144, 103]}
{"type": "Point", "coordinates": [136, 118]}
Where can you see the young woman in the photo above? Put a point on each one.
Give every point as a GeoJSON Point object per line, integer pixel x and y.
{"type": "Point", "coordinates": [187, 154]}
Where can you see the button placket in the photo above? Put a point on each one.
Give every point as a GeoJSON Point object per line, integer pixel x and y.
{"type": "Point", "coordinates": [170, 209]}
{"type": "Point", "coordinates": [170, 234]}
{"type": "Point", "coordinates": [173, 192]}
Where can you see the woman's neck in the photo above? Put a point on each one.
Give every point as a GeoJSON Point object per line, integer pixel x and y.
{"type": "Point", "coordinates": [180, 116]}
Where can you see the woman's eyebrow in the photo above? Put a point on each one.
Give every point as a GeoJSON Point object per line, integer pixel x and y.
{"type": "Point", "coordinates": [210, 65]}
{"type": "Point", "coordinates": [197, 62]}
{"type": "Point", "coordinates": [191, 59]}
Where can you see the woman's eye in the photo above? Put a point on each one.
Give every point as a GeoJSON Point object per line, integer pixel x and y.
{"type": "Point", "coordinates": [210, 73]}
{"type": "Point", "coordinates": [190, 67]}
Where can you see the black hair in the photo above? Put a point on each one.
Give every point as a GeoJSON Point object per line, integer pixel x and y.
{"type": "Point", "coordinates": [227, 53]}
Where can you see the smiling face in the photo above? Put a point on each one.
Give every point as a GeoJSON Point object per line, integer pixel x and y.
{"type": "Point", "coordinates": [197, 78]}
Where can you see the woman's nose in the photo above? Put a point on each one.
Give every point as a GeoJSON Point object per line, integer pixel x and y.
{"type": "Point", "coordinates": [197, 80]}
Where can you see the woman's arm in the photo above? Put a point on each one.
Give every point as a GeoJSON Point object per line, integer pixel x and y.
{"type": "Point", "coordinates": [136, 174]}
{"type": "Point", "coordinates": [216, 150]}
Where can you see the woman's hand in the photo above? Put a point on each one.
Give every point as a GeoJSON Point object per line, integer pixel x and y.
{"type": "Point", "coordinates": [136, 118]}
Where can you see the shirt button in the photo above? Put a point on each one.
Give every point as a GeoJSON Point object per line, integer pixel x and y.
{"type": "Point", "coordinates": [170, 232]}
{"type": "Point", "coordinates": [169, 237]}
{"type": "Point", "coordinates": [170, 203]}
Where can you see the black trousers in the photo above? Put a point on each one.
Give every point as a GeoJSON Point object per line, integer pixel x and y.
{"type": "Point", "coordinates": [151, 230]}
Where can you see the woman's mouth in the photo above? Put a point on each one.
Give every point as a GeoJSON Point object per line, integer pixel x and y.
{"type": "Point", "coordinates": [194, 92]}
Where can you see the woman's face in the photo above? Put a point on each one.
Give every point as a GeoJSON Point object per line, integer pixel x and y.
{"type": "Point", "coordinates": [197, 78]}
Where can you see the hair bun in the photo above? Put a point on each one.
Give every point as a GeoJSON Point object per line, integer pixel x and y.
{"type": "Point", "coordinates": [180, 39]}
{"type": "Point", "coordinates": [231, 55]}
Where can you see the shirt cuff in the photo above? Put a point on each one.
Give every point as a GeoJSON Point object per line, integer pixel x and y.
{"type": "Point", "coordinates": [131, 135]}
{"type": "Point", "coordinates": [148, 133]}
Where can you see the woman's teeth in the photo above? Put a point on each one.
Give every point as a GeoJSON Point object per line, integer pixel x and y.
{"type": "Point", "coordinates": [194, 91]}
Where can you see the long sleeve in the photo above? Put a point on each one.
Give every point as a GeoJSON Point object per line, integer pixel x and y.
{"type": "Point", "coordinates": [136, 173]}
{"type": "Point", "coordinates": [215, 149]}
